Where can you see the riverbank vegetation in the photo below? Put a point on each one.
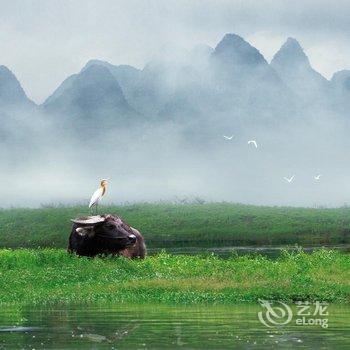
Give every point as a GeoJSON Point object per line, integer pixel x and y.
{"type": "Point", "coordinates": [165, 224]}
{"type": "Point", "coordinates": [53, 276]}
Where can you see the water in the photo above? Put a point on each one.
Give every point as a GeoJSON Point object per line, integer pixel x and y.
{"type": "Point", "coordinates": [164, 327]}
{"type": "Point", "coordinates": [268, 251]}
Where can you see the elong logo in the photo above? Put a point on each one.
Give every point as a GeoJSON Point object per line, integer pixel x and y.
{"type": "Point", "coordinates": [278, 313]}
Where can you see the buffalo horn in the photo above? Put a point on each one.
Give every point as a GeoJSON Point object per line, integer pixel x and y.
{"type": "Point", "coordinates": [89, 220]}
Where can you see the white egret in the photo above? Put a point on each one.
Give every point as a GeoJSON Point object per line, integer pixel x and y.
{"type": "Point", "coordinates": [228, 137]}
{"type": "Point", "coordinates": [98, 194]}
{"type": "Point", "coordinates": [253, 142]}
{"type": "Point", "coordinates": [317, 177]}
{"type": "Point", "coordinates": [289, 179]}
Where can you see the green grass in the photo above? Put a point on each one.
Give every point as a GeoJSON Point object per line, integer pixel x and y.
{"type": "Point", "coordinates": [189, 224]}
{"type": "Point", "coordinates": [53, 276]}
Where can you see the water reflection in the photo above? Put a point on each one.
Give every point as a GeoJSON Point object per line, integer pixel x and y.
{"type": "Point", "coordinates": [162, 327]}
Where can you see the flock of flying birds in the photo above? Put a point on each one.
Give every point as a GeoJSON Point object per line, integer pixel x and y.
{"type": "Point", "coordinates": [99, 193]}
{"type": "Point", "coordinates": [255, 144]}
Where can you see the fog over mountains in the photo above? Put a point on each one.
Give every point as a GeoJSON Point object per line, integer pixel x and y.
{"type": "Point", "coordinates": [157, 133]}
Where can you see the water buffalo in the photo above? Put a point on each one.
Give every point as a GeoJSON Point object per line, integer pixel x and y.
{"type": "Point", "coordinates": [105, 234]}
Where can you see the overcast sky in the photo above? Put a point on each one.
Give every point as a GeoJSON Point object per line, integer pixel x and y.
{"type": "Point", "coordinates": [43, 42]}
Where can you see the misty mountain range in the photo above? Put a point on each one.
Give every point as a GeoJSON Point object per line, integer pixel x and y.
{"type": "Point", "coordinates": [234, 75]}
{"type": "Point", "coordinates": [168, 119]}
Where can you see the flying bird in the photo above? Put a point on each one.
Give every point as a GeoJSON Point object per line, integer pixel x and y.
{"type": "Point", "coordinates": [98, 194]}
{"type": "Point", "coordinates": [228, 137]}
{"type": "Point", "coordinates": [253, 142]}
{"type": "Point", "coordinates": [289, 179]}
{"type": "Point", "coordinates": [317, 177]}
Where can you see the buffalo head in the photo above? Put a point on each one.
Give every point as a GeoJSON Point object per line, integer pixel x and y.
{"type": "Point", "coordinates": [100, 234]}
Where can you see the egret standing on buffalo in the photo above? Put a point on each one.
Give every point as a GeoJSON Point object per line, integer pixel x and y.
{"type": "Point", "coordinates": [98, 194]}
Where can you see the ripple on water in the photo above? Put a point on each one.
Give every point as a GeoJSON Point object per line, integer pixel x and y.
{"type": "Point", "coordinates": [163, 327]}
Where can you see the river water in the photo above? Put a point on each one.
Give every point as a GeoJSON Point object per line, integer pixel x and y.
{"type": "Point", "coordinates": [113, 326]}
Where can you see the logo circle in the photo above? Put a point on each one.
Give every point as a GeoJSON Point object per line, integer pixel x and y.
{"type": "Point", "coordinates": [274, 315]}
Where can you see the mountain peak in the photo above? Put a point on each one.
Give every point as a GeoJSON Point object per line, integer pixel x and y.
{"type": "Point", "coordinates": [290, 53]}
{"type": "Point", "coordinates": [4, 71]}
{"type": "Point", "coordinates": [235, 49]}
{"type": "Point", "coordinates": [340, 75]}
{"type": "Point", "coordinates": [341, 79]}
{"type": "Point", "coordinates": [93, 93]}
{"type": "Point", "coordinates": [116, 71]}
{"type": "Point", "coordinates": [293, 66]}
{"type": "Point", "coordinates": [96, 62]}
{"type": "Point", "coordinates": [292, 42]}
{"type": "Point", "coordinates": [96, 69]}
{"type": "Point", "coordinates": [11, 91]}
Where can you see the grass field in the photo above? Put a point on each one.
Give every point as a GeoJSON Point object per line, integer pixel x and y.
{"type": "Point", "coordinates": [51, 275]}
{"type": "Point", "coordinates": [189, 224]}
